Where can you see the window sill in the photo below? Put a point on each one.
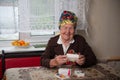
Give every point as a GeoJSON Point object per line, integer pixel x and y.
{"type": "Point", "coordinates": [15, 49]}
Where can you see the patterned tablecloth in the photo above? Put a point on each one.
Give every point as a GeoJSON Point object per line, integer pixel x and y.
{"type": "Point", "coordinates": [97, 72]}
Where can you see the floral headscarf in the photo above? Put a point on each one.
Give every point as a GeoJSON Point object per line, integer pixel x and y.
{"type": "Point", "coordinates": [68, 17]}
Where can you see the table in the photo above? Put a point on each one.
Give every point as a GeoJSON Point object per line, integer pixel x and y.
{"type": "Point", "coordinates": [98, 72]}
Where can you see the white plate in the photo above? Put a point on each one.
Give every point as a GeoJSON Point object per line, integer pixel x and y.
{"type": "Point", "coordinates": [61, 78]}
{"type": "Point", "coordinates": [22, 46]}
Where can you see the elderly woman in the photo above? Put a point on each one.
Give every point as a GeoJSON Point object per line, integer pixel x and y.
{"type": "Point", "coordinates": [67, 42]}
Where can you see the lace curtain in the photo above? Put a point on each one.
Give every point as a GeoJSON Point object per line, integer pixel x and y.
{"type": "Point", "coordinates": [8, 16]}
{"type": "Point", "coordinates": [79, 7]}
{"type": "Point", "coordinates": [53, 11]}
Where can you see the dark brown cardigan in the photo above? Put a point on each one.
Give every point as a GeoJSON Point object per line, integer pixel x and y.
{"type": "Point", "coordinates": [80, 45]}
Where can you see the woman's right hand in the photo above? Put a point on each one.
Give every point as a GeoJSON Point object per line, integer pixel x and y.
{"type": "Point", "coordinates": [58, 60]}
{"type": "Point", "coordinates": [61, 59]}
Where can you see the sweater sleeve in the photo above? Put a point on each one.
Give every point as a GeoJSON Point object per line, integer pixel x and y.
{"type": "Point", "coordinates": [88, 53]}
{"type": "Point", "coordinates": [47, 55]}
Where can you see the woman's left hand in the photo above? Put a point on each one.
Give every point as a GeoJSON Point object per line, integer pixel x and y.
{"type": "Point", "coordinates": [81, 59]}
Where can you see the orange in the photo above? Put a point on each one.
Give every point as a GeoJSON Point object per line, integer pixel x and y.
{"type": "Point", "coordinates": [20, 43]}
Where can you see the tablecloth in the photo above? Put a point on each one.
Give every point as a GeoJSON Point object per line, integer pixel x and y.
{"type": "Point", "coordinates": [98, 72]}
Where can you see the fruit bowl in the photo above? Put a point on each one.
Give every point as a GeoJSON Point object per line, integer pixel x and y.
{"type": "Point", "coordinates": [20, 44]}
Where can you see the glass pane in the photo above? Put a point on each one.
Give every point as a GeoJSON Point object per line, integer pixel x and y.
{"type": "Point", "coordinates": [8, 20]}
{"type": "Point", "coordinates": [42, 17]}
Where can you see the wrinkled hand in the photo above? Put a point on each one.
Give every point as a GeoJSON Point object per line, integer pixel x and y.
{"type": "Point", "coordinates": [61, 59]}
{"type": "Point", "coordinates": [81, 59]}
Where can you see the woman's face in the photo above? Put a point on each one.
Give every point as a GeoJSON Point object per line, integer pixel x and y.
{"type": "Point", "coordinates": [67, 32]}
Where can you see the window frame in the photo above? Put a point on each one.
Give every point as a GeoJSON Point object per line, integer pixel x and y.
{"type": "Point", "coordinates": [58, 9]}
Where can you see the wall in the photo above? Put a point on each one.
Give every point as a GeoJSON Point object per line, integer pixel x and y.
{"type": "Point", "coordinates": [104, 28]}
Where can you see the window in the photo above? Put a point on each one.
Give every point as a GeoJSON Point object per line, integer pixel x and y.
{"type": "Point", "coordinates": [8, 20]}
{"type": "Point", "coordinates": [42, 17]}
{"type": "Point", "coordinates": [36, 20]}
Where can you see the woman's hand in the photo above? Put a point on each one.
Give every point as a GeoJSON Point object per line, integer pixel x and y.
{"type": "Point", "coordinates": [81, 59]}
{"type": "Point", "coordinates": [58, 60]}
{"type": "Point", "coordinates": [61, 59]}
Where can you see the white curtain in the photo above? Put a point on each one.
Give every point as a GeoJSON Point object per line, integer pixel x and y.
{"type": "Point", "coordinates": [79, 7]}
{"type": "Point", "coordinates": [8, 17]}
{"type": "Point", "coordinates": [52, 10]}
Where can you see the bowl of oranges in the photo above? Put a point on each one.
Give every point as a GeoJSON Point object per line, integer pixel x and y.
{"type": "Point", "coordinates": [20, 44]}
